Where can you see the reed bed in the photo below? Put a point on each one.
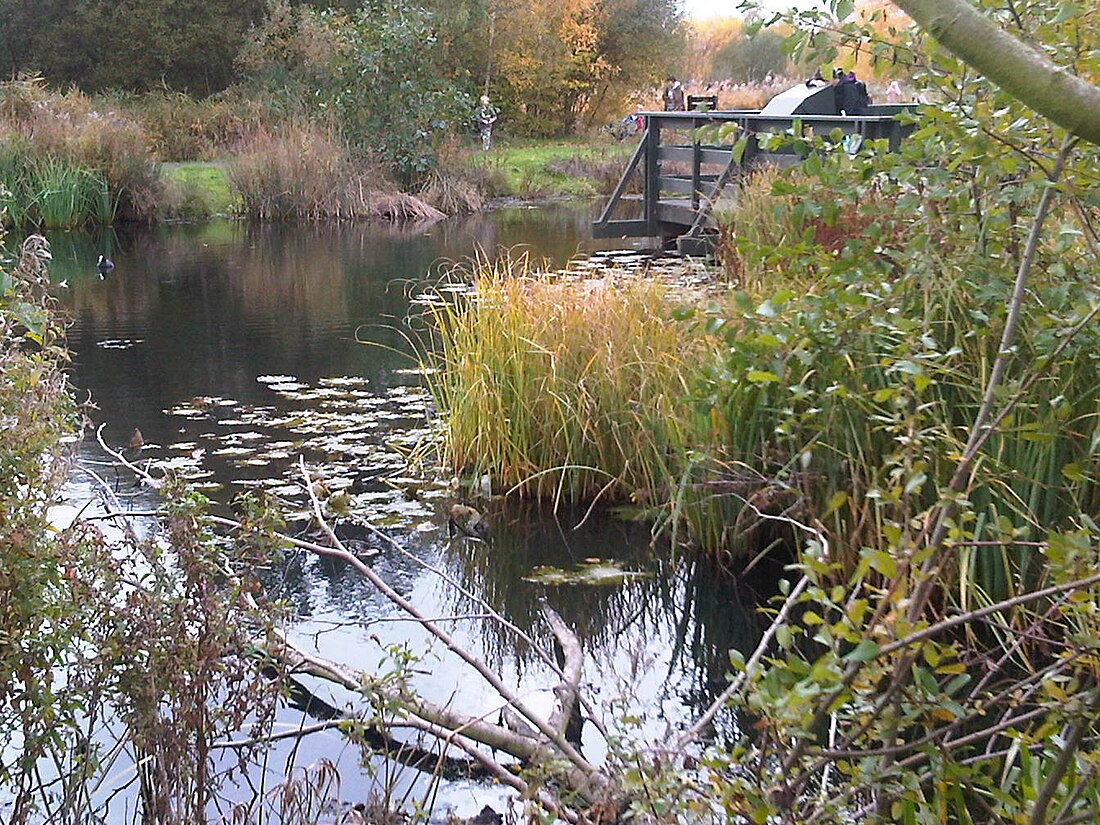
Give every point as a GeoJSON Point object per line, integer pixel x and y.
{"type": "Point", "coordinates": [562, 389]}
{"type": "Point", "coordinates": [872, 373]}
{"type": "Point", "coordinates": [303, 172]}
{"type": "Point", "coordinates": [812, 393]}
{"type": "Point", "coordinates": [65, 162]}
{"type": "Point", "coordinates": [50, 191]}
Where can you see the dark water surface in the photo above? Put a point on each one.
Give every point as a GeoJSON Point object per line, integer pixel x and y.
{"type": "Point", "coordinates": [236, 350]}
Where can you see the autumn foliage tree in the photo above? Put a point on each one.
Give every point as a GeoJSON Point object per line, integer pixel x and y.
{"type": "Point", "coordinates": [560, 64]}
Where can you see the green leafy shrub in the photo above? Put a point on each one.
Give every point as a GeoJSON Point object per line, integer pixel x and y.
{"type": "Point", "coordinates": [106, 645]}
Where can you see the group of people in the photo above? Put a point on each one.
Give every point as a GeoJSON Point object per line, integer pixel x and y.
{"type": "Point", "coordinates": [850, 93]}
{"type": "Point", "coordinates": [852, 98]}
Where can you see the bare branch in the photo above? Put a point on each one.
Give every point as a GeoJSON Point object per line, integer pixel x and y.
{"type": "Point", "coordinates": [1018, 68]}
{"type": "Point", "coordinates": [567, 691]}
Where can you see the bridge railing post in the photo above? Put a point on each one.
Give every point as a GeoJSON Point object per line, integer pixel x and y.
{"type": "Point", "coordinates": [653, 176]}
{"type": "Point", "coordinates": [696, 165]}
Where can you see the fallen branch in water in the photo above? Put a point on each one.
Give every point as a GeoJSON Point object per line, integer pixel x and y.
{"type": "Point", "coordinates": [533, 741]}
{"type": "Point", "coordinates": [549, 749]}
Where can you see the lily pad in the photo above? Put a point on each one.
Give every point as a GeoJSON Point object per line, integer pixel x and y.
{"type": "Point", "coordinates": [600, 574]}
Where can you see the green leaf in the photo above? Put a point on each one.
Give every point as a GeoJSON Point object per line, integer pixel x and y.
{"type": "Point", "coordinates": [762, 377]}
{"type": "Point", "coordinates": [783, 636]}
{"type": "Point", "coordinates": [1072, 471]}
{"type": "Point", "coordinates": [865, 651]}
{"type": "Point", "coordinates": [1066, 12]}
{"type": "Point", "coordinates": [836, 501]}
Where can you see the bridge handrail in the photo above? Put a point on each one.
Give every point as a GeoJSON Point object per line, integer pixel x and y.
{"type": "Point", "coordinates": [652, 146]}
{"type": "Point", "coordinates": [639, 152]}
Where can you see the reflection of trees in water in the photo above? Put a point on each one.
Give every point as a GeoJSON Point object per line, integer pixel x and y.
{"type": "Point", "coordinates": [683, 607]}
{"type": "Point", "coordinates": [312, 583]}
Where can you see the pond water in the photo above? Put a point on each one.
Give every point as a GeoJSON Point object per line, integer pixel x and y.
{"type": "Point", "coordinates": [239, 350]}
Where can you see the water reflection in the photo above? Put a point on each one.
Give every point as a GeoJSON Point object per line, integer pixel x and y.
{"type": "Point", "coordinates": [234, 349]}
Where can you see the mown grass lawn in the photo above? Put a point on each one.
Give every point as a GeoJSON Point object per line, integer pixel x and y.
{"type": "Point", "coordinates": [201, 188]}
{"type": "Point", "coordinates": [553, 168]}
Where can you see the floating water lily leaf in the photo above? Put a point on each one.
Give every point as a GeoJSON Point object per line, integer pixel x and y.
{"type": "Point", "coordinates": [602, 574]}
{"type": "Point", "coordinates": [276, 379]}
{"type": "Point", "coordinates": [186, 412]}
{"type": "Point", "coordinates": [229, 451]}
{"type": "Point", "coordinates": [238, 438]}
{"type": "Point", "coordinates": [275, 455]}
{"type": "Point", "coordinates": [288, 491]}
{"type": "Point", "coordinates": [119, 343]}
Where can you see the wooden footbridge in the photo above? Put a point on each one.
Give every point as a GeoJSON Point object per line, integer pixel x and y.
{"type": "Point", "coordinates": [687, 159]}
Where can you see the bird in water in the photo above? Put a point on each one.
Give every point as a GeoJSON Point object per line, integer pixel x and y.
{"type": "Point", "coordinates": [466, 521]}
{"type": "Point", "coordinates": [136, 440]}
{"type": "Point", "coordinates": [105, 265]}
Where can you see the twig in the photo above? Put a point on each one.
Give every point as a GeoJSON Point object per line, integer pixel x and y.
{"type": "Point", "coordinates": [983, 426]}
{"type": "Point", "coordinates": [696, 730]}
{"type": "Point", "coordinates": [1007, 604]}
{"type": "Point", "coordinates": [297, 733]}
{"type": "Point", "coordinates": [1066, 755]}
{"type": "Point", "coordinates": [339, 552]}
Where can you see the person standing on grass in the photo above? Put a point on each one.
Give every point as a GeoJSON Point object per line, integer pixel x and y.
{"type": "Point", "coordinates": [485, 116]}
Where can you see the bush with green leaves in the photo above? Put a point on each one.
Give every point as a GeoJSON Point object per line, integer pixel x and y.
{"type": "Point", "coordinates": [374, 74]}
{"type": "Point", "coordinates": [112, 647]}
{"type": "Point", "coordinates": [922, 327]}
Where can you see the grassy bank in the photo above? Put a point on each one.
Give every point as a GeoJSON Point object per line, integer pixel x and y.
{"type": "Point", "coordinates": [542, 169]}
{"type": "Point", "coordinates": [520, 170]}
{"type": "Point", "coordinates": [199, 189]}
{"type": "Point", "coordinates": [67, 159]}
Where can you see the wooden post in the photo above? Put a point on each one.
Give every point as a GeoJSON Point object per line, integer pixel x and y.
{"type": "Point", "coordinates": [696, 164]}
{"type": "Point", "coordinates": [653, 176]}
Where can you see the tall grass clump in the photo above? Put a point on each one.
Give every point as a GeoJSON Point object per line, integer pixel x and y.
{"type": "Point", "coordinates": [77, 150]}
{"type": "Point", "coordinates": [302, 172]}
{"type": "Point", "coordinates": [50, 191]}
{"type": "Point", "coordinates": [561, 388]}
